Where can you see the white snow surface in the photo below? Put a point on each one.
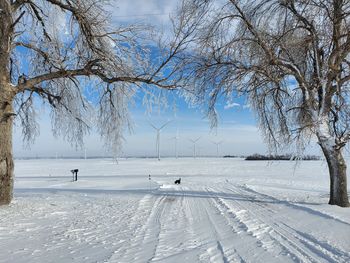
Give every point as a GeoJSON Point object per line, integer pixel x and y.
{"type": "Point", "coordinates": [225, 210]}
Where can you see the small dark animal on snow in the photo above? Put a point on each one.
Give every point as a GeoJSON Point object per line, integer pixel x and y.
{"type": "Point", "coordinates": [178, 181]}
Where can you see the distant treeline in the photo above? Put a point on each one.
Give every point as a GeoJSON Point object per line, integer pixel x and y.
{"type": "Point", "coordinates": [284, 157]}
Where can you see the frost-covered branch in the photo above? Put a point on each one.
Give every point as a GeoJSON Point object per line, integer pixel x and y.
{"type": "Point", "coordinates": [61, 50]}
{"type": "Point", "coordinates": [278, 54]}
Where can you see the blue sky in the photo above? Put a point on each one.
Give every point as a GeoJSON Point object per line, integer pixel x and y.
{"type": "Point", "coordinates": [237, 125]}
{"type": "Point", "coordinates": [236, 130]}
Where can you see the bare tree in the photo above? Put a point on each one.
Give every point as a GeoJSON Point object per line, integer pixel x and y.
{"type": "Point", "coordinates": [67, 55]}
{"type": "Point", "coordinates": [290, 58]}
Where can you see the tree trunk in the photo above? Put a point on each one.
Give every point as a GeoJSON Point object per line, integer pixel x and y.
{"type": "Point", "coordinates": [7, 94]}
{"type": "Point", "coordinates": [6, 157]}
{"type": "Point", "coordinates": [337, 172]}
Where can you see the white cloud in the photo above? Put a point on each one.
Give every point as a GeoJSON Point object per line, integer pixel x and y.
{"type": "Point", "coordinates": [230, 105]}
{"type": "Point", "coordinates": [155, 12]}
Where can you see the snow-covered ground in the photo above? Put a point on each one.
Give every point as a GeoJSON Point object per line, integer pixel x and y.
{"type": "Point", "coordinates": [225, 210]}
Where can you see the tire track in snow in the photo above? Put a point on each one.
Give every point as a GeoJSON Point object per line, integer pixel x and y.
{"type": "Point", "coordinates": [321, 249]}
{"type": "Point", "coordinates": [190, 231]}
{"type": "Point", "coordinates": [145, 228]}
{"type": "Point", "coordinates": [217, 251]}
{"type": "Point", "coordinates": [308, 210]}
{"type": "Point", "coordinates": [160, 219]}
{"type": "Point", "coordinates": [245, 245]}
{"type": "Point", "coordinates": [303, 246]}
{"type": "Point", "coordinates": [177, 239]}
{"type": "Point", "coordinates": [214, 236]}
{"type": "Point", "coordinates": [264, 233]}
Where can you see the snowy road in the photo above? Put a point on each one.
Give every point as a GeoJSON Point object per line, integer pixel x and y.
{"type": "Point", "coordinates": [221, 219]}
{"type": "Point", "coordinates": [229, 223]}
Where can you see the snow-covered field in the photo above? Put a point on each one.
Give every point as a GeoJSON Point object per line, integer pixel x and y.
{"type": "Point", "coordinates": [225, 210]}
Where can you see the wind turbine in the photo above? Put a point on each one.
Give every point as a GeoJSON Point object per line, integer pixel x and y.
{"type": "Point", "coordinates": [217, 148]}
{"type": "Point", "coordinates": [194, 146]}
{"type": "Point", "coordinates": [176, 138]}
{"type": "Point", "coordinates": [158, 137]}
{"type": "Point", "coordinates": [199, 153]}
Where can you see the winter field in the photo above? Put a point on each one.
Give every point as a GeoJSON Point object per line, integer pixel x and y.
{"type": "Point", "coordinates": [225, 210]}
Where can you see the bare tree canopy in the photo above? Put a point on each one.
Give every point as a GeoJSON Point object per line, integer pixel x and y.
{"type": "Point", "coordinates": [70, 45]}
{"type": "Point", "coordinates": [67, 55]}
{"type": "Point", "coordinates": [290, 58]}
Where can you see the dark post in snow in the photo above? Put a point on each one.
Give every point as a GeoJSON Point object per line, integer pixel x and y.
{"type": "Point", "coordinates": [75, 174]}
{"type": "Point", "coordinates": [149, 182]}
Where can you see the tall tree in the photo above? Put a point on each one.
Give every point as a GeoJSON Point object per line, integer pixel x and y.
{"type": "Point", "coordinates": [68, 55]}
{"type": "Point", "coordinates": [290, 58]}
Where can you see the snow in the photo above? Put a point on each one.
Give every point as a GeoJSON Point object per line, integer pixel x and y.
{"type": "Point", "coordinates": [225, 210]}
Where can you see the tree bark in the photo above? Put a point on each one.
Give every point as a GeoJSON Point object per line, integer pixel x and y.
{"type": "Point", "coordinates": [337, 172]}
{"type": "Point", "coordinates": [7, 94]}
{"type": "Point", "coordinates": [6, 157]}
